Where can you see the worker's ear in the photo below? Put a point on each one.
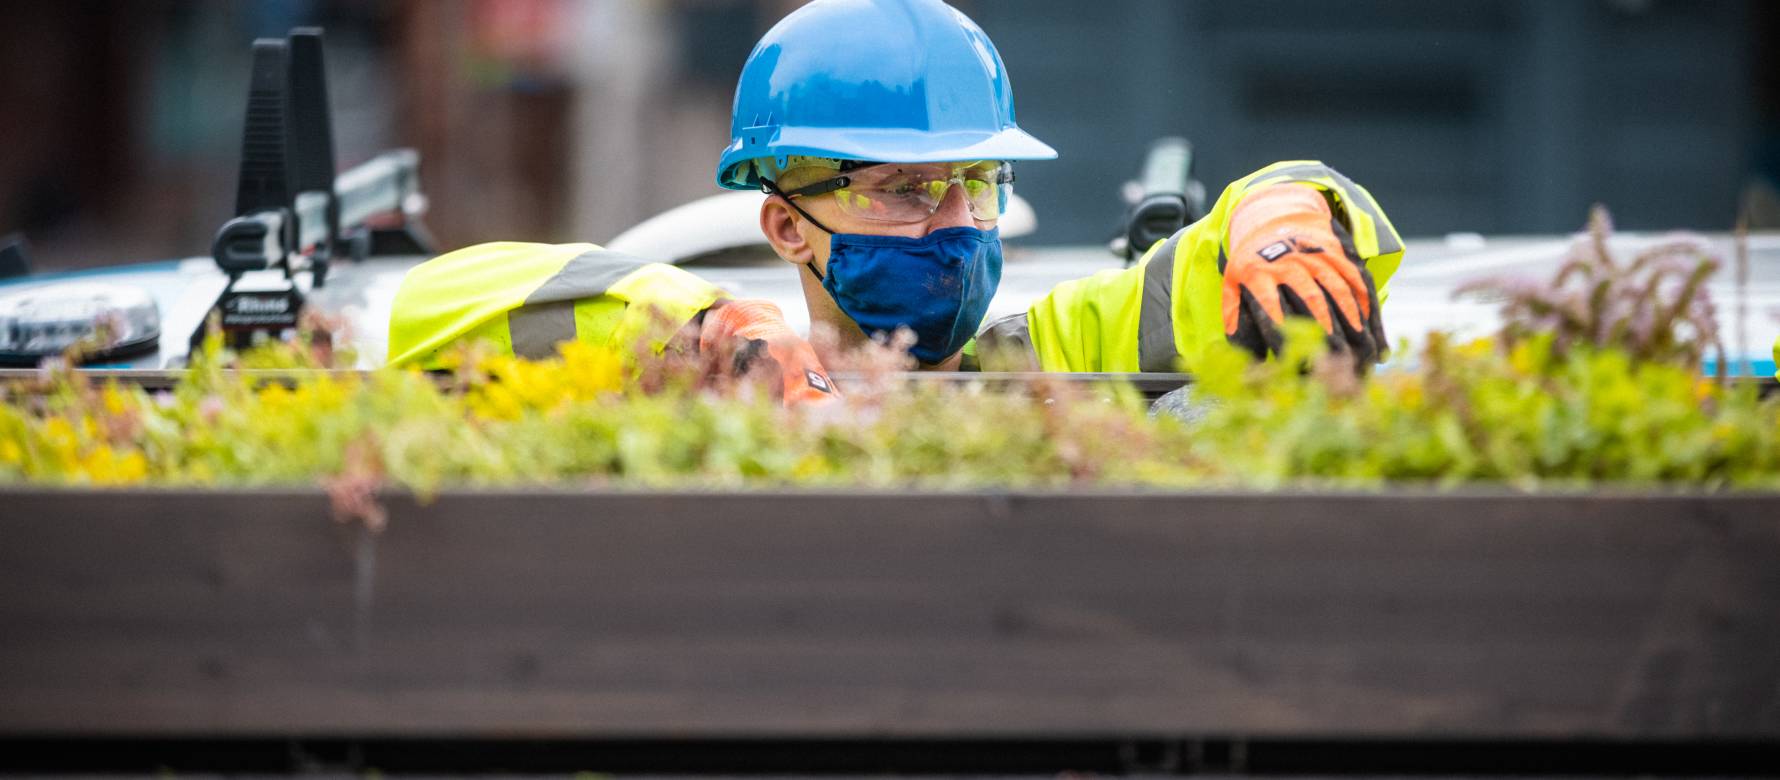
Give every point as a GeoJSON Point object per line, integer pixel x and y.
{"type": "Point", "coordinates": [779, 222]}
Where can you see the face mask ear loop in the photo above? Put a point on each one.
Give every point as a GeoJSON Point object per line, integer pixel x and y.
{"type": "Point", "coordinates": [767, 186]}
{"type": "Point", "coordinates": [773, 189]}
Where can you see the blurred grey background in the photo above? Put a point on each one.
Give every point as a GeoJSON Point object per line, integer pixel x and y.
{"type": "Point", "coordinates": [560, 120]}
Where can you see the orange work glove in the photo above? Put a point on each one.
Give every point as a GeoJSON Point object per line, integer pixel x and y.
{"type": "Point", "coordinates": [1289, 256]}
{"type": "Point", "coordinates": [746, 328]}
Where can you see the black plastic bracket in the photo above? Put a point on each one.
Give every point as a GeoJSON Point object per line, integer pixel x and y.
{"type": "Point", "coordinates": [15, 256]}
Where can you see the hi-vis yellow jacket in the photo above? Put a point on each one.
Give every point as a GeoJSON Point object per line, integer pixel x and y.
{"type": "Point", "coordinates": [1162, 313]}
{"type": "Point", "coordinates": [1157, 315]}
{"type": "Point", "coordinates": [527, 298]}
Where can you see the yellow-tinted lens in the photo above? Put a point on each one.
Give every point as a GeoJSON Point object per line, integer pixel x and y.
{"type": "Point", "coordinates": [912, 193]}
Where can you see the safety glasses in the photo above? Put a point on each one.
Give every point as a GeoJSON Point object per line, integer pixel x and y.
{"type": "Point", "coordinates": [904, 193]}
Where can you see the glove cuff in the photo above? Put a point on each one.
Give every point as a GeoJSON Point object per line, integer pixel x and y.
{"type": "Point", "coordinates": [750, 318]}
{"type": "Point", "coordinates": [1272, 212]}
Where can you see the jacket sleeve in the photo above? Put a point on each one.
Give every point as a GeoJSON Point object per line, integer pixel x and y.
{"type": "Point", "coordinates": [1163, 312]}
{"type": "Point", "coordinates": [527, 298]}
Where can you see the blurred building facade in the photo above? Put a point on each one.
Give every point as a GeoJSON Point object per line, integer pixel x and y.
{"type": "Point", "coordinates": [1488, 115]}
{"type": "Point", "coordinates": [565, 120]}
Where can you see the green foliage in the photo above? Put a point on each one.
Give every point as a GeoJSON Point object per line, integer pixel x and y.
{"type": "Point", "coordinates": [1608, 393]}
{"type": "Point", "coordinates": [1530, 416]}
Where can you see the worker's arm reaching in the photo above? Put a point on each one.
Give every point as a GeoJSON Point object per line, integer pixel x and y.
{"type": "Point", "coordinates": [526, 299]}
{"type": "Point", "coordinates": [1162, 313]}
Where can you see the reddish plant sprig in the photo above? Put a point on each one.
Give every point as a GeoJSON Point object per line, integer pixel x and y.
{"type": "Point", "coordinates": [1655, 307]}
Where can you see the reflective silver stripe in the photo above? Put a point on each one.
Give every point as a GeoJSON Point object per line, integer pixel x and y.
{"type": "Point", "coordinates": [587, 275]}
{"type": "Point", "coordinates": [1006, 345]}
{"type": "Point", "coordinates": [547, 317]}
{"type": "Point", "coordinates": [1387, 241]}
{"type": "Point", "coordinates": [1155, 320]}
{"type": "Point", "coordinates": [537, 328]}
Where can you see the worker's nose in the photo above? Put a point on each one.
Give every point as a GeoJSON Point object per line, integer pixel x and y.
{"type": "Point", "coordinates": [954, 211]}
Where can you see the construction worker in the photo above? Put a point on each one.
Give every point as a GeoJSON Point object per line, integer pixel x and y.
{"type": "Point", "coordinates": [883, 133]}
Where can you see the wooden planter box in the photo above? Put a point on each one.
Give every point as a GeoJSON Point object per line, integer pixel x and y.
{"type": "Point", "coordinates": [813, 615]}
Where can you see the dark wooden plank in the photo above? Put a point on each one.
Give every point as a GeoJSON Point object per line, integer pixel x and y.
{"type": "Point", "coordinates": [588, 615]}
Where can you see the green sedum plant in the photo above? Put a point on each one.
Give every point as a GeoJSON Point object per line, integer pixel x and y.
{"type": "Point", "coordinates": [1528, 415]}
{"type": "Point", "coordinates": [1563, 398]}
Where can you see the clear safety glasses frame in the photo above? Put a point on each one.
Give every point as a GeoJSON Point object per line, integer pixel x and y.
{"type": "Point", "coordinates": [906, 192]}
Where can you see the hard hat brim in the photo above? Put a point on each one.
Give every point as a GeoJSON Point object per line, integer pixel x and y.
{"type": "Point", "coordinates": [882, 145]}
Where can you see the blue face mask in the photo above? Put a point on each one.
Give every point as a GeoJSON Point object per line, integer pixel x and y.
{"type": "Point", "coordinates": [938, 285]}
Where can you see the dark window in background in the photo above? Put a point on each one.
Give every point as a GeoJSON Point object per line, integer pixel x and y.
{"type": "Point", "coordinates": [1497, 116]}
{"type": "Point", "coordinates": [716, 38]}
{"type": "Point", "coordinates": [1342, 92]}
{"type": "Point", "coordinates": [1766, 202]}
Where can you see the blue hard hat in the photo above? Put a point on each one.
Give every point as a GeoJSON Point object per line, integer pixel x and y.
{"type": "Point", "coordinates": [880, 80]}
